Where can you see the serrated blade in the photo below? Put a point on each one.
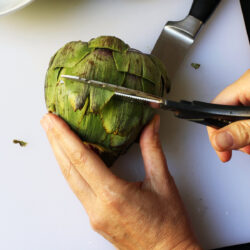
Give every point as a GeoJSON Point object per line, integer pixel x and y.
{"type": "Point", "coordinates": [174, 42]}
{"type": "Point", "coordinates": [118, 90]}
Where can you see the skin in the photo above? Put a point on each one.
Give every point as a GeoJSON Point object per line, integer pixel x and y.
{"type": "Point", "coordinates": [236, 136]}
{"type": "Point", "coordinates": [148, 214]}
{"type": "Point", "coordinates": [137, 216]}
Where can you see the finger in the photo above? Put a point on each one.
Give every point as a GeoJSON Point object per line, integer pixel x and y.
{"type": "Point", "coordinates": [87, 163]}
{"type": "Point", "coordinates": [154, 160]}
{"type": "Point", "coordinates": [78, 185]}
{"type": "Point", "coordinates": [154, 105]}
{"type": "Point", "coordinates": [223, 156]}
{"type": "Point", "coordinates": [237, 93]}
{"type": "Point", "coordinates": [228, 96]}
{"type": "Point", "coordinates": [234, 136]}
{"type": "Point", "coordinates": [246, 150]}
{"type": "Point", "coordinates": [210, 132]}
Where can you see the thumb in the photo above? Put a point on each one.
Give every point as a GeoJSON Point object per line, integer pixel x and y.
{"type": "Point", "coordinates": [233, 136]}
{"type": "Point", "coordinates": [157, 174]}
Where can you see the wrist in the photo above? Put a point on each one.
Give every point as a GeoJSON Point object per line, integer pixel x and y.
{"type": "Point", "coordinates": [189, 244]}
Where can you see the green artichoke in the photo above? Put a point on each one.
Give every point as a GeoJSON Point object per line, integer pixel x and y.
{"type": "Point", "coordinates": [107, 123]}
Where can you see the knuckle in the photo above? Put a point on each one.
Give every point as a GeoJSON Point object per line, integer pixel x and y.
{"type": "Point", "coordinates": [243, 131]}
{"type": "Point", "coordinates": [153, 145]}
{"type": "Point", "coordinates": [97, 223]}
{"type": "Point", "coordinates": [156, 143]}
{"type": "Point", "coordinates": [78, 158]}
{"type": "Point", "coordinates": [67, 170]}
{"type": "Point", "coordinates": [113, 197]}
{"type": "Point", "coordinates": [110, 198]}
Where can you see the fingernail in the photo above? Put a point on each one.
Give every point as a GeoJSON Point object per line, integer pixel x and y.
{"type": "Point", "coordinates": [224, 140]}
{"type": "Point", "coordinates": [46, 123]}
{"type": "Point", "coordinates": [157, 124]}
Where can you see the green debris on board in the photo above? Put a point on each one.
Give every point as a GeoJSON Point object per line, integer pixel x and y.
{"type": "Point", "coordinates": [21, 143]}
{"type": "Point", "coordinates": [195, 65]}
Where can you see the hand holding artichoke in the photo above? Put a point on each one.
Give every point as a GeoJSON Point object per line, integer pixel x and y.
{"type": "Point", "coordinates": [108, 124]}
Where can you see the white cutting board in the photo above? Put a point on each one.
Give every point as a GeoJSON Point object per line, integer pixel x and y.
{"type": "Point", "coordinates": [38, 210]}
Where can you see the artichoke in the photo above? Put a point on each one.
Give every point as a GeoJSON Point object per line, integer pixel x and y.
{"type": "Point", "coordinates": [107, 123]}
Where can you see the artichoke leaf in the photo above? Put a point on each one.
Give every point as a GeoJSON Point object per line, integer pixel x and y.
{"type": "Point", "coordinates": [135, 63]}
{"type": "Point", "coordinates": [61, 99]}
{"type": "Point", "coordinates": [50, 88]}
{"type": "Point", "coordinates": [150, 71]}
{"type": "Point", "coordinates": [77, 101]}
{"type": "Point", "coordinates": [109, 42]}
{"type": "Point", "coordinates": [148, 87]}
{"type": "Point", "coordinates": [91, 130]}
{"type": "Point", "coordinates": [100, 66]}
{"type": "Point", "coordinates": [120, 116]}
{"type": "Point", "coordinates": [75, 118]}
{"type": "Point", "coordinates": [133, 82]}
{"type": "Point", "coordinates": [121, 61]}
{"type": "Point", "coordinates": [118, 141]}
{"type": "Point", "coordinates": [161, 67]}
{"type": "Point", "coordinates": [77, 93]}
{"type": "Point", "coordinates": [71, 54]}
{"type": "Point", "coordinates": [99, 98]}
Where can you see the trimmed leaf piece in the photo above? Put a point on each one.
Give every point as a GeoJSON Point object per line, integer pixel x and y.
{"type": "Point", "coordinates": [195, 65]}
{"type": "Point", "coordinates": [74, 118]}
{"type": "Point", "coordinates": [21, 143]}
{"type": "Point", "coordinates": [99, 98]}
{"type": "Point", "coordinates": [150, 71]}
{"type": "Point", "coordinates": [122, 117]}
{"type": "Point", "coordinates": [70, 54]}
{"type": "Point", "coordinates": [50, 88]}
{"type": "Point", "coordinates": [91, 130]}
{"type": "Point", "coordinates": [118, 141]}
{"type": "Point", "coordinates": [135, 63]}
{"type": "Point", "coordinates": [161, 67]}
{"type": "Point", "coordinates": [109, 42]}
{"type": "Point", "coordinates": [121, 61]}
{"type": "Point", "coordinates": [149, 87]}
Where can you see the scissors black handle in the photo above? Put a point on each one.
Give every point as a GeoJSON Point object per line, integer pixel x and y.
{"type": "Point", "coordinates": [214, 115]}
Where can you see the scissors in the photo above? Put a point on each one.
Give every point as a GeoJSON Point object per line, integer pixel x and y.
{"type": "Point", "coordinates": [213, 115]}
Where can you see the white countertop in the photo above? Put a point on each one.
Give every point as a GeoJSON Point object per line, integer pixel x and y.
{"type": "Point", "coordinates": [38, 210]}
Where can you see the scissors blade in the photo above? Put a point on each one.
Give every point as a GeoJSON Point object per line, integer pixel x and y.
{"type": "Point", "coordinates": [118, 90]}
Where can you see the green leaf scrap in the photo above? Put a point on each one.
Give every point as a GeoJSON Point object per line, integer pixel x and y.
{"type": "Point", "coordinates": [21, 143]}
{"type": "Point", "coordinates": [195, 65]}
